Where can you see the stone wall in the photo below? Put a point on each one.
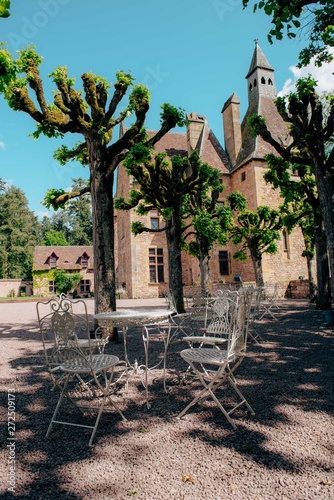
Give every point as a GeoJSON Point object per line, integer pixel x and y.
{"type": "Point", "coordinates": [10, 288]}
{"type": "Point", "coordinates": [298, 289]}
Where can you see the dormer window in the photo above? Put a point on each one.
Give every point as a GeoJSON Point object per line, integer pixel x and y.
{"type": "Point", "coordinates": [53, 260]}
{"type": "Point", "coordinates": [84, 260]}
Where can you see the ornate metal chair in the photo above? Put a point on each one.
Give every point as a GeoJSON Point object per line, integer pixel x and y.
{"type": "Point", "coordinates": [75, 368]}
{"type": "Point", "coordinates": [269, 300]}
{"type": "Point", "coordinates": [215, 361]}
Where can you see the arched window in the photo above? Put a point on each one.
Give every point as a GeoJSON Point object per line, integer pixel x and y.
{"type": "Point", "coordinates": [250, 87]}
{"type": "Point", "coordinates": [270, 81]}
{"type": "Point", "coordinates": [255, 82]}
{"type": "Point", "coordinates": [263, 80]}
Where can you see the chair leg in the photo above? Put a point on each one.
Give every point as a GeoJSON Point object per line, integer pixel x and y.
{"type": "Point", "coordinates": [207, 391]}
{"type": "Point", "coordinates": [59, 402]}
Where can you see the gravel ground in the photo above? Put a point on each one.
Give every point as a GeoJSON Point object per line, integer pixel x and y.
{"type": "Point", "coordinates": [285, 451]}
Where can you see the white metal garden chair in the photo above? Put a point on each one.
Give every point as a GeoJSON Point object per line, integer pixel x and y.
{"type": "Point", "coordinates": [215, 361]}
{"type": "Point", "coordinates": [74, 367]}
{"type": "Point", "coordinates": [269, 300]}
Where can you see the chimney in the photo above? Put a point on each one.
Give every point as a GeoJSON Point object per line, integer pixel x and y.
{"type": "Point", "coordinates": [195, 132]}
{"type": "Point", "coordinates": [232, 127]}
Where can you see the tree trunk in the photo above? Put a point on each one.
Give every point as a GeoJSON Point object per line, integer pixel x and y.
{"type": "Point", "coordinates": [204, 272]}
{"type": "Point", "coordinates": [323, 279]}
{"type": "Point", "coordinates": [257, 264]}
{"type": "Point", "coordinates": [310, 260]}
{"type": "Point", "coordinates": [174, 238]}
{"type": "Point", "coordinates": [325, 187]}
{"type": "Point", "coordinates": [101, 189]}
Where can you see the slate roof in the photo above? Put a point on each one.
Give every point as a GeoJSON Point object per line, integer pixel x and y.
{"type": "Point", "coordinates": [175, 143]}
{"type": "Point", "coordinates": [68, 257]}
{"type": "Point", "coordinates": [259, 60]}
{"type": "Point", "coordinates": [257, 147]}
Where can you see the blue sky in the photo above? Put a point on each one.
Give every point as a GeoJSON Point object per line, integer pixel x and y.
{"type": "Point", "coordinates": [192, 53]}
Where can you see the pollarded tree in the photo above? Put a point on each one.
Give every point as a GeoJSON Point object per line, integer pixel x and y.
{"type": "Point", "coordinates": [311, 131]}
{"type": "Point", "coordinates": [301, 207]}
{"type": "Point", "coordinates": [257, 232]}
{"type": "Point", "coordinates": [93, 115]}
{"type": "Point", "coordinates": [168, 186]}
{"type": "Point", "coordinates": [317, 17]}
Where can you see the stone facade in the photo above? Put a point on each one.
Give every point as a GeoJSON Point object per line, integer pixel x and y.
{"type": "Point", "coordinates": [242, 166]}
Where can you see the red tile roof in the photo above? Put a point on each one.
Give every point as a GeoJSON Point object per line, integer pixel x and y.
{"type": "Point", "coordinates": [68, 257]}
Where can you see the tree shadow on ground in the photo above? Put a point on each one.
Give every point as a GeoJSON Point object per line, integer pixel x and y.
{"type": "Point", "coordinates": [293, 367]}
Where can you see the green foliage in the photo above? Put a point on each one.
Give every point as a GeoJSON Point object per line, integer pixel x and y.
{"type": "Point", "coordinates": [59, 76]}
{"type": "Point", "coordinates": [4, 8]}
{"type": "Point", "coordinates": [286, 16]}
{"type": "Point", "coordinates": [124, 79]}
{"type": "Point", "coordinates": [171, 114]}
{"type": "Point", "coordinates": [65, 282]}
{"type": "Point", "coordinates": [50, 196]}
{"type": "Point", "coordinates": [19, 233]}
{"type": "Point", "coordinates": [257, 231]}
{"type": "Point", "coordinates": [74, 221]}
{"type": "Point", "coordinates": [27, 56]}
{"type": "Point", "coordinates": [137, 228]}
{"type": "Point", "coordinates": [78, 152]}
{"type": "Point", "coordinates": [138, 96]}
{"type": "Point", "coordinates": [55, 238]}
{"type": "Point", "coordinates": [256, 124]}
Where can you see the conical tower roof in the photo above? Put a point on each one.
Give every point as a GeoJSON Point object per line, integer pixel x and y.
{"type": "Point", "coordinates": [259, 60]}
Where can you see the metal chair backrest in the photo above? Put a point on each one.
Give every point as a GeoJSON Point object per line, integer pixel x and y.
{"type": "Point", "coordinates": [65, 331]}
{"type": "Point", "coordinates": [240, 313]}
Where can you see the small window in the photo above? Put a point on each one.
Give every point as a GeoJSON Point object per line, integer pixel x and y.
{"type": "Point", "coordinates": [270, 81]}
{"type": "Point", "coordinates": [154, 214]}
{"type": "Point", "coordinates": [263, 80]}
{"type": "Point", "coordinates": [250, 87]}
{"type": "Point", "coordinates": [223, 263]}
{"type": "Point", "coordinates": [255, 82]}
{"type": "Point", "coordinates": [154, 223]}
{"type": "Point", "coordinates": [156, 265]}
{"type": "Point", "coordinates": [243, 176]}
{"type": "Point", "coordinates": [53, 260]}
{"type": "Point", "coordinates": [52, 287]}
{"type": "Point", "coordinates": [84, 260]}
{"type": "Point", "coordinates": [85, 286]}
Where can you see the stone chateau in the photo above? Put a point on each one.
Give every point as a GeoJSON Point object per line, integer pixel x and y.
{"type": "Point", "coordinates": [141, 261]}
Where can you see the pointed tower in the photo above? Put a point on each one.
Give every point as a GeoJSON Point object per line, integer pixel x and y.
{"type": "Point", "coordinates": [260, 77]}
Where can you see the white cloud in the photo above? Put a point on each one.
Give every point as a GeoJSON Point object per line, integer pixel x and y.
{"type": "Point", "coordinates": [323, 75]}
{"type": "Point", "coordinates": [2, 145]}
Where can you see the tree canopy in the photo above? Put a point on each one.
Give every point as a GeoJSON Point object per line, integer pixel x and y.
{"type": "Point", "coordinates": [92, 113]}
{"type": "Point", "coordinates": [171, 186]}
{"type": "Point", "coordinates": [311, 129]}
{"type": "Point", "coordinates": [313, 17]}
{"type": "Point", "coordinates": [18, 234]}
{"type": "Point", "coordinates": [256, 231]}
